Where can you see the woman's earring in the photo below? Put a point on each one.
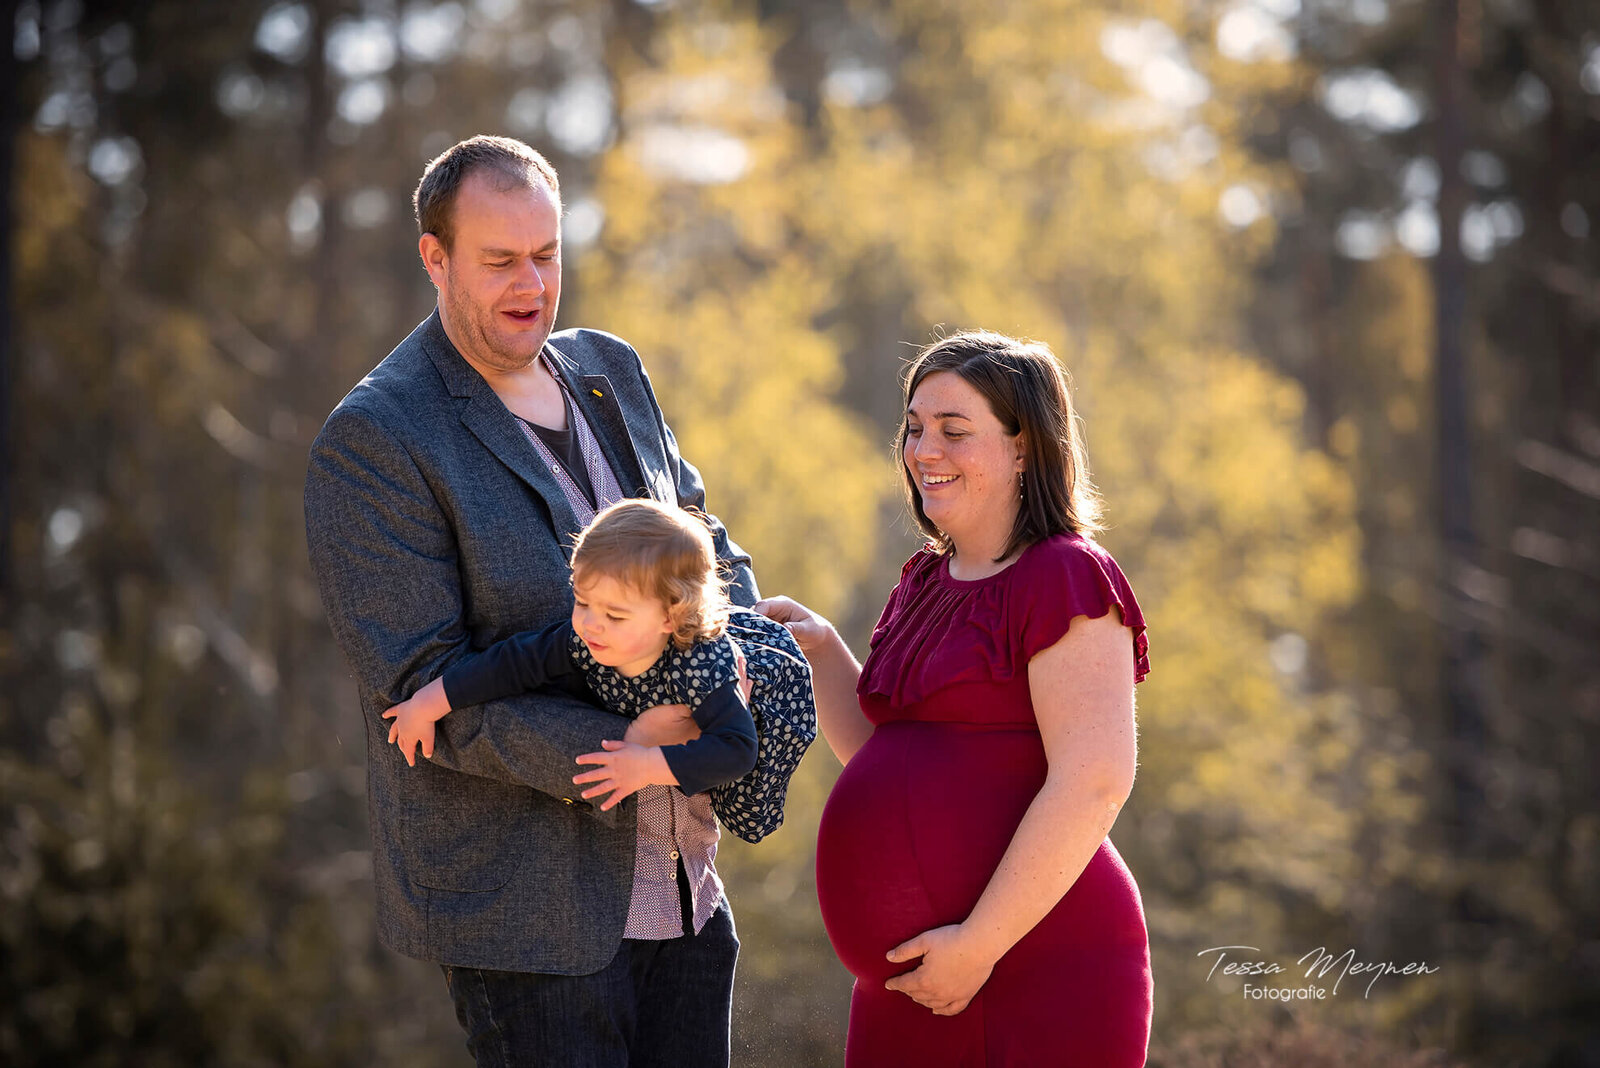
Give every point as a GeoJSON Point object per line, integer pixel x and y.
{"type": "Point", "coordinates": [1022, 486]}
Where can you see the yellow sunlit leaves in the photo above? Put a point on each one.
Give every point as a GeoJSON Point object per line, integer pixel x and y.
{"type": "Point", "coordinates": [1016, 178]}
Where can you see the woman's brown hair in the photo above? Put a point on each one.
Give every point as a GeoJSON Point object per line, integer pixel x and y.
{"type": "Point", "coordinates": [1027, 391]}
{"type": "Point", "coordinates": [662, 552]}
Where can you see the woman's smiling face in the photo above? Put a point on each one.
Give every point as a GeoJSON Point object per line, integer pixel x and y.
{"type": "Point", "coordinates": [961, 459]}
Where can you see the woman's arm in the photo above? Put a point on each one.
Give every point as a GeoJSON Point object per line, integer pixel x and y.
{"type": "Point", "coordinates": [834, 674]}
{"type": "Point", "coordinates": [1082, 689]}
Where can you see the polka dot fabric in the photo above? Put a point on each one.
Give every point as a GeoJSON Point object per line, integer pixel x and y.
{"type": "Point", "coordinates": [781, 703]}
{"type": "Point", "coordinates": [785, 711]}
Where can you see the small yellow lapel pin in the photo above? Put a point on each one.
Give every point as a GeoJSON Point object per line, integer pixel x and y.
{"type": "Point", "coordinates": [597, 393]}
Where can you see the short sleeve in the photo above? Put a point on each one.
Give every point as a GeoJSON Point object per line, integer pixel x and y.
{"type": "Point", "coordinates": [1067, 577]}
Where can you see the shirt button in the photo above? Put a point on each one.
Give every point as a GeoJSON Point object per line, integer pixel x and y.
{"type": "Point", "coordinates": [673, 854]}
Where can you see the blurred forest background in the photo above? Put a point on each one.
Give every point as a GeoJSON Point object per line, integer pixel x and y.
{"type": "Point", "coordinates": [1326, 275]}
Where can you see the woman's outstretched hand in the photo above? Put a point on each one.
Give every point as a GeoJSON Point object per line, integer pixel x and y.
{"type": "Point", "coordinates": [809, 629]}
{"type": "Point", "coordinates": [952, 971]}
{"type": "Point", "coordinates": [834, 673]}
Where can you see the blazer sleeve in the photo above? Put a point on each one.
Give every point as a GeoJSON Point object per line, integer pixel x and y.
{"type": "Point", "coordinates": [385, 557]}
{"type": "Point", "coordinates": [691, 491]}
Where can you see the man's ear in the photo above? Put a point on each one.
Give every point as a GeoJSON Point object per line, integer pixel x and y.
{"type": "Point", "coordinates": [434, 258]}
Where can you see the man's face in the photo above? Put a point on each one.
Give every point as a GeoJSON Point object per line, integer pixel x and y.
{"type": "Point", "coordinates": [500, 282]}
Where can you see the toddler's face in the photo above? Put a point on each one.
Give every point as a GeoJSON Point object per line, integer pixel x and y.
{"type": "Point", "coordinates": [623, 628]}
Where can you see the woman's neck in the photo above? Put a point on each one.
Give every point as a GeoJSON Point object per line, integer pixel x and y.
{"type": "Point", "coordinates": [973, 556]}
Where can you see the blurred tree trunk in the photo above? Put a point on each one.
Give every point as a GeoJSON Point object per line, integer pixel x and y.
{"type": "Point", "coordinates": [1560, 269]}
{"type": "Point", "coordinates": [1463, 678]}
{"type": "Point", "coordinates": [9, 84]}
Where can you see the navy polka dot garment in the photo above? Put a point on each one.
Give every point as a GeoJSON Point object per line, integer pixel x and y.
{"type": "Point", "coordinates": [781, 703]}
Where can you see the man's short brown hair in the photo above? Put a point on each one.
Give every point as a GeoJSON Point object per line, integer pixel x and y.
{"type": "Point", "coordinates": [505, 161]}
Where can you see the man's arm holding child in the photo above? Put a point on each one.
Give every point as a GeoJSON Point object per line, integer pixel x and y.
{"type": "Point", "coordinates": [386, 562]}
{"type": "Point", "coordinates": [724, 752]}
{"type": "Point", "coordinates": [518, 664]}
{"type": "Point", "coordinates": [726, 748]}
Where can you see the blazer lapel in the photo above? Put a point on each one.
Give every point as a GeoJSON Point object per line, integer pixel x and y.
{"type": "Point", "coordinates": [497, 428]}
{"type": "Point", "coordinates": [594, 397]}
{"type": "Point", "coordinates": [493, 424]}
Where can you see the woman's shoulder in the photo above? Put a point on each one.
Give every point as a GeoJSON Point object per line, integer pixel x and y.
{"type": "Point", "coordinates": [1066, 557]}
{"type": "Point", "coordinates": [1066, 548]}
{"type": "Point", "coordinates": [1066, 576]}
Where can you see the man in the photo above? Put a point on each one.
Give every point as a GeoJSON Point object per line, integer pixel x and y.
{"type": "Point", "coordinates": [441, 502]}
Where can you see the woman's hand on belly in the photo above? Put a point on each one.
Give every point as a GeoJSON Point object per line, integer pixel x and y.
{"type": "Point", "coordinates": [954, 968]}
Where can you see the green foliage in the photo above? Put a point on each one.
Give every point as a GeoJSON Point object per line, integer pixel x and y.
{"type": "Point", "coordinates": [138, 928]}
{"type": "Point", "coordinates": [709, 281]}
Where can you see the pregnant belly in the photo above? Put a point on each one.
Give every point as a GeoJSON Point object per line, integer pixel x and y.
{"type": "Point", "coordinates": [913, 830]}
{"type": "Point", "coordinates": [916, 826]}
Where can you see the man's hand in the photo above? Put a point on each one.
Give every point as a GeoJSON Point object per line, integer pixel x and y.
{"type": "Point", "coordinates": [414, 720]}
{"type": "Point", "coordinates": [623, 769]}
{"type": "Point", "coordinates": [663, 725]}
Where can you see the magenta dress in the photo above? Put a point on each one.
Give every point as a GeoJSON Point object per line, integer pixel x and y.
{"type": "Point", "coordinates": [920, 817]}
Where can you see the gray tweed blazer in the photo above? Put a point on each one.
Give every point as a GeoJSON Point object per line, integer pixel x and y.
{"type": "Point", "coordinates": [434, 530]}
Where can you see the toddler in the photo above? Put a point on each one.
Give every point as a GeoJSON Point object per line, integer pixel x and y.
{"type": "Point", "coordinates": [651, 625]}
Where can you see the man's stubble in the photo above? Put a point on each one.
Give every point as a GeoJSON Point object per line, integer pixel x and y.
{"type": "Point", "coordinates": [475, 324]}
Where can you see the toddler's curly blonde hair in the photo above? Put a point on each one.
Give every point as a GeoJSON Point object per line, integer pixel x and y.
{"type": "Point", "coordinates": [661, 552]}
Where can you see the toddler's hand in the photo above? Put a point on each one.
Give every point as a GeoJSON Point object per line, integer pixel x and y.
{"type": "Point", "coordinates": [410, 731]}
{"type": "Point", "coordinates": [414, 720]}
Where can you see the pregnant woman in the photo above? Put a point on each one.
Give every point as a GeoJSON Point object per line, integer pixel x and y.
{"type": "Point", "coordinates": [963, 869]}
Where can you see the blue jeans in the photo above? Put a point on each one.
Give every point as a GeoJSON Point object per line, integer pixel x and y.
{"type": "Point", "coordinates": [663, 1004]}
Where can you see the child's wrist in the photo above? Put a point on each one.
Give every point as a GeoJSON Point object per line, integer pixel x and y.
{"type": "Point", "coordinates": [662, 774]}
{"type": "Point", "coordinates": [437, 702]}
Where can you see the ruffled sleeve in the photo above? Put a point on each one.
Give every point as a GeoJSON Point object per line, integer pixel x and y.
{"type": "Point", "coordinates": [912, 576]}
{"type": "Point", "coordinates": [1065, 577]}
{"type": "Point", "coordinates": [937, 632]}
